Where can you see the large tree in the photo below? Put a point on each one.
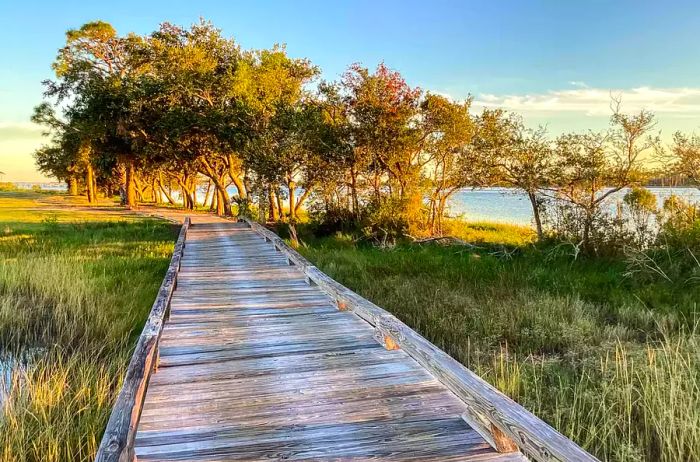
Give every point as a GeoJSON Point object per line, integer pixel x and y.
{"type": "Point", "coordinates": [384, 111]}
{"type": "Point", "coordinates": [515, 156]}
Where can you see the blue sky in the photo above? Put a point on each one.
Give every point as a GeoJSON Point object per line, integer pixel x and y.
{"type": "Point", "coordinates": [556, 62]}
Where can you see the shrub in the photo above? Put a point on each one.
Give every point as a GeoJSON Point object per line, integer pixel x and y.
{"type": "Point", "coordinates": [607, 234]}
{"type": "Point", "coordinates": [8, 187]}
{"type": "Point", "coordinates": [386, 221]}
{"type": "Point", "coordinates": [333, 220]}
{"type": "Point", "coordinates": [641, 207]}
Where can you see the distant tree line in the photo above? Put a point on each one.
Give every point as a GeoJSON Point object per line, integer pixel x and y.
{"type": "Point", "coordinates": [153, 117]}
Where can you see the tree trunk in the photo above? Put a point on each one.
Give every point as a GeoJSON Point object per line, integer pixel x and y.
{"type": "Point", "coordinates": [235, 172]}
{"type": "Point", "coordinates": [586, 241]}
{"type": "Point", "coordinates": [240, 187]}
{"type": "Point", "coordinates": [272, 208]}
{"type": "Point", "coordinates": [131, 185]}
{"type": "Point", "coordinates": [166, 192]}
{"type": "Point", "coordinates": [72, 186]}
{"type": "Point", "coordinates": [214, 200]}
{"type": "Point", "coordinates": [536, 213]}
{"type": "Point", "coordinates": [156, 192]}
{"type": "Point", "coordinates": [89, 184]}
{"type": "Point", "coordinates": [353, 193]}
{"type": "Point", "coordinates": [94, 186]}
{"type": "Point", "coordinates": [206, 195]}
{"type": "Point", "coordinates": [442, 204]}
{"type": "Point", "coordinates": [280, 206]}
{"type": "Point", "coordinates": [223, 200]}
{"type": "Point", "coordinates": [377, 191]}
{"type": "Point", "coordinates": [292, 204]}
{"type": "Point", "coordinates": [224, 204]}
{"type": "Point", "coordinates": [301, 200]}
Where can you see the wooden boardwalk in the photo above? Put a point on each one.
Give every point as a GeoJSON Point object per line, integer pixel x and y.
{"type": "Point", "coordinates": [256, 364]}
{"type": "Point", "coordinates": [252, 353]}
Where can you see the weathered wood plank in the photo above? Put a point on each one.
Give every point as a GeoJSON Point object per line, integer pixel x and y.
{"type": "Point", "coordinates": [395, 440]}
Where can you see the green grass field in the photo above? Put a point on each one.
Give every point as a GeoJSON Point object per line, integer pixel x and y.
{"type": "Point", "coordinates": [610, 362]}
{"type": "Point", "coordinates": [75, 288]}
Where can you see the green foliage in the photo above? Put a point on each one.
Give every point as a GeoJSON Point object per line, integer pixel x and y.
{"type": "Point", "coordinates": [642, 209]}
{"type": "Point", "coordinates": [641, 200]}
{"type": "Point", "coordinates": [686, 156]}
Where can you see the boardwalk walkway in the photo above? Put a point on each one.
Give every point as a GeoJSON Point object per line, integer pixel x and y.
{"type": "Point", "coordinates": [256, 364]}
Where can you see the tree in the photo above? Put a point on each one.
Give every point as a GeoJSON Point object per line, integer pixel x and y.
{"type": "Point", "coordinates": [383, 110]}
{"type": "Point", "coordinates": [511, 155]}
{"type": "Point", "coordinates": [192, 83]}
{"type": "Point", "coordinates": [336, 146]}
{"type": "Point", "coordinates": [591, 167]}
{"type": "Point", "coordinates": [278, 123]}
{"type": "Point", "coordinates": [686, 156]}
{"type": "Point", "coordinates": [69, 154]}
{"type": "Point", "coordinates": [95, 74]}
{"type": "Point", "coordinates": [448, 130]}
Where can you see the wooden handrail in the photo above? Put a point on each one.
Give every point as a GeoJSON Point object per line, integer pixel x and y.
{"type": "Point", "coordinates": [501, 421]}
{"type": "Point", "coordinates": [117, 443]}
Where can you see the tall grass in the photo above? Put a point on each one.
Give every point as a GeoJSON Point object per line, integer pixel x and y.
{"type": "Point", "coordinates": [611, 362]}
{"type": "Point", "coordinates": [73, 297]}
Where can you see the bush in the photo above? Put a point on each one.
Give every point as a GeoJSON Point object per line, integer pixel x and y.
{"type": "Point", "coordinates": [386, 221]}
{"type": "Point", "coordinates": [8, 187]}
{"type": "Point", "coordinates": [680, 223]}
{"type": "Point", "coordinates": [675, 254]}
{"type": "Point", "coordinates": [641, 207]}
{"type": "Point", "coordinates": [608, 235]}
{"type": "Point", "coordinates": [333, 220]}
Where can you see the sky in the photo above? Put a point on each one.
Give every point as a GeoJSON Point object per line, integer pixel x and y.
{"type": "Point", "coordinates": [555, 62]}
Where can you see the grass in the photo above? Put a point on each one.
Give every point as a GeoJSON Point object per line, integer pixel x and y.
{"type": "Point", "coordinates": [75, 288]}
{"type": "Point", "coordinates": [480, 232]}
{"type": "Point", "coordinates": [611, 362]}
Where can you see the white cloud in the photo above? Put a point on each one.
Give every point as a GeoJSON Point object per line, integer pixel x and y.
{"type": "Point", "coordinates": [578, 83]}
{"type": "Point", "coordinates": [682, 102]}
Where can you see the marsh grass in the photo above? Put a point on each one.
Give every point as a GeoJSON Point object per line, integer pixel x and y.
{"type": "Point", "coordinates": [75, 289]}
{"type": "Point", "coordinates": [611, 362]}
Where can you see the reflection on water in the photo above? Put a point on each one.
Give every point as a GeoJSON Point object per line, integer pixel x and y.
{"type": "Point", "coordinates": [512, 206]}
{"type": "Point", "coordinates": [13, 369]}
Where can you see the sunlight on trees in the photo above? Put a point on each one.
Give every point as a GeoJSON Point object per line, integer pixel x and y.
{"type": "Point", "coordinates": [168, 115]}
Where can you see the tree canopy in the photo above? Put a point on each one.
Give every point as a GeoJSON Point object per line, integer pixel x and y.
{"type": "Point", "coordinates": [184, 110]}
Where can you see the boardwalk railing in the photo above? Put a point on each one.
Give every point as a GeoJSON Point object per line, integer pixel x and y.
{"type": "Point", "coordinates": [117, 443]}
{"type": "Point", "coordinates": [503, 423]}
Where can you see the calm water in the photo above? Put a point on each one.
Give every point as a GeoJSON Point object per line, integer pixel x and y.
{"type": "Point", "coordinates": [511, 206]}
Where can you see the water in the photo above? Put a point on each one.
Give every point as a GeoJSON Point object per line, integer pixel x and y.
{"type": "Point", "coordinates": [508, 205]}
{"type": "Point", "coordinates": [13, 370]}
{"type": "Point", "coordinates": [43, 186]}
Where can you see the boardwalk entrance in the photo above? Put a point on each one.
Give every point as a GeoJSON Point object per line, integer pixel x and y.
{"type": "Point", "coordinates": [256, 364]}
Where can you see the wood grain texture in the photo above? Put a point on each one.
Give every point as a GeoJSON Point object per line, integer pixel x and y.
{"type": "Point", "coordinates": [257, 364]}
{"type": "Point", "coordinates": [500, 420]}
